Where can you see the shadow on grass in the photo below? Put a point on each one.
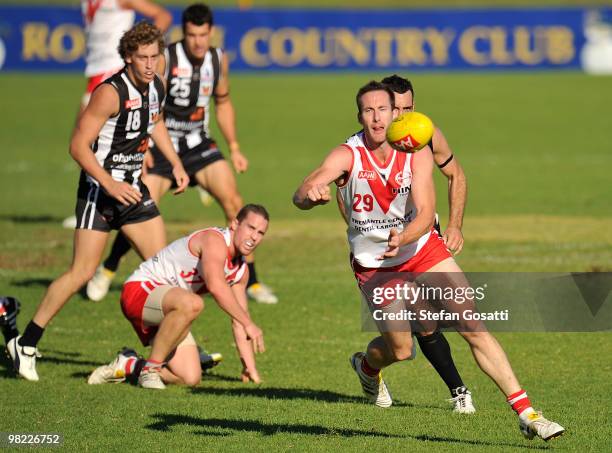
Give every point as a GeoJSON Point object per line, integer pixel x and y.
{"type": "Point", "coordinates": [277, 393]}
{"type": "Point", "coordinates": [45, 282]}
{"type": "Point", "coordinates": [213, 376]}
{"type": "Point", "coordinates": [27, 282]}
{"type": "Point", "coordinates": [32, 218]}
{"type": "Point", "coordinates": [165, 423]}
{"type": "Point", "coordinates": [6, 365]}
{"type": "Point", "coordinates": [66, 360]}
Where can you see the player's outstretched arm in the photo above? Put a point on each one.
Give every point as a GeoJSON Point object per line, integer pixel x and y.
{"type": "Point", "coordinates": [315, 190]}
{"type": "Point", "coordinates": [244, 345]}
{"type": "Point", "coordinates": [424, 198]}
{"type": "Point", "coordinates": [164, 143]}
{"type": "Point", "coordinates": [104, 104]}
{"type": "Point", "coordinates": [159, 15]}
{"type": "Point", "coordinates": [211, 248]}
{"type": "Point", "coordinates": [226, 118]}
{"type": "Point", "coordinates": [341, 208]}
{"type": "Point", "coordinates": [457, 191]}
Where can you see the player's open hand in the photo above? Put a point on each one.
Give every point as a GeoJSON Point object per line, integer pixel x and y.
{"type": "Point", "coordinates": [319, 194]}
{"type": "Point", "coordinates": [393, 244]}
{"type": "Point", "coordinates": [181, 178]}
{"type": "Point", "coordinates": [240, 163]}
{"type": "Point", "coordinates": [453, 239]}
{"type": "Point", "coordinates": [255, 334]}
{"type": "Point", "coordinates": [125, 193]}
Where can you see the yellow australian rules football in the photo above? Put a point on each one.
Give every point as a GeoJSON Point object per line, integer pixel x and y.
{"type": "Point", "coordinates": [410, 132]}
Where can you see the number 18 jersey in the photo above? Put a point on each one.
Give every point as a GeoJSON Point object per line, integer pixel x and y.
{"type": "Point", "coordinates": [377, 197]}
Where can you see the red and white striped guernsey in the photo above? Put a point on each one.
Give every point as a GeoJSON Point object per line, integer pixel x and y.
{"type": "Point", "coordinates": [175, 265]}
{"type": "Point", "coordinates": [377, 197]}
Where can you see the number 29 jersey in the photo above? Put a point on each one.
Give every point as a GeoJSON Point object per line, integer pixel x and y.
{"type": "Point", "coordinates": [377, 197]}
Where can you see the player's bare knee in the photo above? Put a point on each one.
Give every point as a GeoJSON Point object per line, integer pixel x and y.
{"type": "Point", "coordinates": [475, 338]}
{"type": "Point", "coordinates": [231, 205]}
{"type": "Point", "coordinates": [83, 274]}
{"type": "Point", "coordinates": [196, 305]}
{"type": "Point", "coordinates": [192, 379]}
{"type": "Point", "coordinates": [402, 353]}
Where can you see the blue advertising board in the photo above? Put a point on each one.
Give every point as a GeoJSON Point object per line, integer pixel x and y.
{"type": "Point", "coordinates": [38, 38]}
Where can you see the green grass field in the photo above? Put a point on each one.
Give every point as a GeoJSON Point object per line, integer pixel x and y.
{"type": "Point", "coordinates": [536, 150]}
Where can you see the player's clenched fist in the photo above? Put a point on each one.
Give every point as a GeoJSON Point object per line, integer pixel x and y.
{"type": "Point", "coordinates": [319, 194]}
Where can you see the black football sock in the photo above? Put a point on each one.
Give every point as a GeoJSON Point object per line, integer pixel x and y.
{"type": "Point", "coordinates": [9, 332]}
{"type": "Point", "coordinates": [252, 274]}
{"type": "Point", "coordinates": [9, 309]}
{"type": "Point", "coordinates": [31, 335]}
{"type": "Point", "coordinates": [120, 247]}
{"type": "Point", "coordinates": [437, 350]}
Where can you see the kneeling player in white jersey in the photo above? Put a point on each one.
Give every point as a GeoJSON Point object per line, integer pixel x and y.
{"type": "Point", "coordinates": [161, 300]}
{"type": "Point", "coordinates": [390, 201]}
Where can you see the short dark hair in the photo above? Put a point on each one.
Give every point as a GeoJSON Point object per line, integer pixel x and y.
{"type": "Point", "coordinates": [198, 14]}
{"type": "Point", "coordinates": [373, 85]}
{"type": "Point", "coordinates": [255, 209]}
{"type": "Point", "coordinates": [398, 84]}
{"type": "Point", "coordinates": [141, 34]}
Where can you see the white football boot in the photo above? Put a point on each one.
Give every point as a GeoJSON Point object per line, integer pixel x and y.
{"type": "Point", "coordinates": [374, 387]}
{"type": "Point", "coordinates": [537, 425]}
{"type": "Point", "coordinates": [150, 379]}
{"type": "Point", "coordinates": [24, 359]}
{"type": "Point", "coordinates": [98, 286]}
{"type": "Point", "coordinates": [70, 223]}
{"type": "Point", "coordinates": [262, 294]}
{"type": "Point", "coordinates": [114, 372]}
{"type": "Point", "coordinates": [462, 403]}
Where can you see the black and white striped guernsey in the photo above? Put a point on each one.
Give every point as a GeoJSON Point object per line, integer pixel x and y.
{"type": "Point", "coordinates": [191, 84]}
{"type": "Point", "coordinates": [124, 138]}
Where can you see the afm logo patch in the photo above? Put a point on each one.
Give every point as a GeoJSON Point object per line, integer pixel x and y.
{"type": "Point", "coordinates": [370, 175]}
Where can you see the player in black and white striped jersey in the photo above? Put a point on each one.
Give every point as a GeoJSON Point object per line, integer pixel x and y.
{"type": "Point", "coordinates": [196, 74]}
{"type": "Point", "coordinates": [109, 142]}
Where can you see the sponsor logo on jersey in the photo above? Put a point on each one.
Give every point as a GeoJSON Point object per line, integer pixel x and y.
{"type": "Point", "coordinates": [405, 176]}
{"type": "Point", "coordinates": [133, 103]}
{"type": "Point", "coordinates": [370, 175]}
{"type": "Point", "coordinates": [401, 191]}
{"type": "Point", "coordinates": [206, 89]}
{"type": "Point", "coordinates": [181, 72]}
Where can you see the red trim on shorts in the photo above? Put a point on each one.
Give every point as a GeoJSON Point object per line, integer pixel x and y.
{"type": "Point", "coordinates": [433, 252]}
{"type": "Point", "coordinates": [133, 299]}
